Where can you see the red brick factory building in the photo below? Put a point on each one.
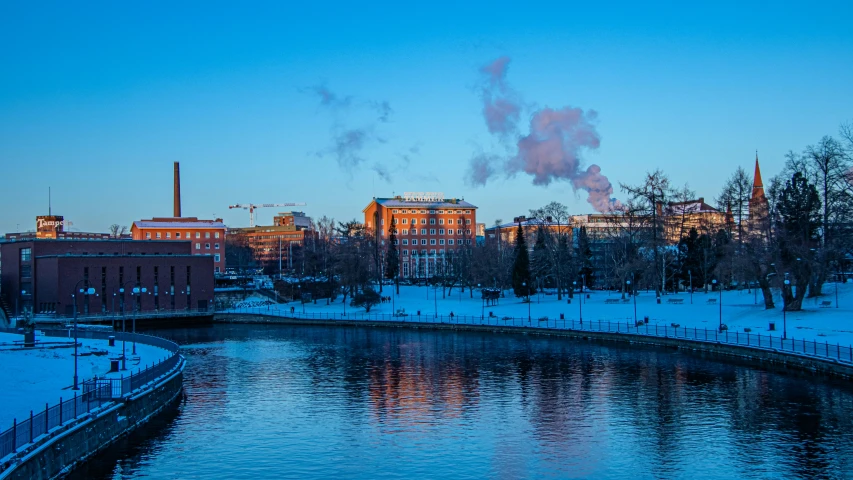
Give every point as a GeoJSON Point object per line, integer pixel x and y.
{"type": "Point", "coordinates": [45, 273]}
{"type": "Point", "coordinates": [429, 227]}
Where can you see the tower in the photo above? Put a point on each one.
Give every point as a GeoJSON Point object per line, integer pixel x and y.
{"type": "Point", "coordinates": [759, 209]}
{"type": "Point", "coordinates": [177, 193]}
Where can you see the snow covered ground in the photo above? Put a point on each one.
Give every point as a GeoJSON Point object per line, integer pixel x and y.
{"type": "Point", "coordinates": [740, 309]}
{"type": "Point", "coordinates": [30, 378]}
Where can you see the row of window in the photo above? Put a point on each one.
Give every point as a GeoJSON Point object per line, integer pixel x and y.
{"type": "Point", "coordinates": [159, 235]}
{"type": "Point", "coordinates": [404, 221]}
{"type": "Point", "coordinates": [433, 212]}
{"type": "Point", "coordinates": [432, 241]}
{"type": "Point", "coordinates": [207, 247]}
{"type": "Point", "coordinates": [424, 252]}
{"type": "Point", "coordinates": [414, 231]}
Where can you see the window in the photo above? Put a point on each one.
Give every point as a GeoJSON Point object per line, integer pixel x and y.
{"type": "Point", "coordinates": [441, 221]}
{"type": "Point", "coordinates": [458, 231]}
{"type": "Point", "coordinates": [450, 221]}
{"type": "Point", "coordinates": [432, 252]}
{"type": "Point", "coordinates": [168, 234]}
{"type": "Point", "coordinates": [215, 259]}
{"type": "Point", "coordinates": [432, 241]}
{"type": "Point", "coordinates": [441, 231]}
{"type": "Point", "coordinates": [432, 221]}
{"type": "Point", "coordinates": [405, 251]}
{"type": "Point", "coordinates": [148, 235]}
{"type": "Point", "coordinates": [382, 222]}
{"type": "Point", "coordinates": [206, 234]}
{"type": "Point", "coordinates": [216, 269]}
{"type": "Point", "coordinates": [216, 234]}
{"type": "Point", "coordinates": [432, 212]}
{"type": "Point", "coordinates": [216, 246]}
{"type": "Point", "coordinates": [405, 231]}
{"type": "Point", "coordinates": [423, 211]}
{"type": "Point", "coordinates": [197, 234]}
{"type": "Point", "coordinates": [468, 241]}
{"type": "Point", "coordinates": [423, 241]}
{"type": "Point", "coordinates": [467, 212]}
{"type": "Point", "coordinates": [198, 246]}
{"type": "Point", "coordinates": [432, 231]}
{"type": "Point", "coordinates": [468, 231]}
{"type": "Point", "coordinates": [450, 241]}
{"type": "Point", "coordinates": [405, 241]}
{"type": "Point", "coordinates": [396, 242]}
{"type": "Point", "coordinates": [423, 231]}
{"type": "Point", "coordinates": [26, 270]}
{"type": "Point", "coordinates": [441, 241]}
{"type": "Point", "coordinates": [177, 234]}
{"type": "Point", "coordinates": [467, 221]}
{"type": "Point", "coordinates": [207, 246]}
{"type": "Point", "coordinates": [395, 221]}
{"type": "Point", "coordinates": [405, 269]}
{"type": "Point", "coordinates": [188, 236]}
{"type": "Point", "coordinates": [423, 252]}
{"type": "Point", "coordinates": [441, 211]}
{"type": "Point", "coordinates": [26, 254]}
{"type": "Point", "coordinates": [405, 221]}
{"type": "Point", "coordinates": [423, 221]}
{"type": "Point", "coordinates": [414, 221]}
{"type": "Point", "coordinates": [414, 241]}
{"type": "Point", "coordinates": [393, 211]}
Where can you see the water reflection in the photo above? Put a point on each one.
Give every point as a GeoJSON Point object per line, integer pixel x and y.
{"type": "Point", "coordinates": [300, 402]}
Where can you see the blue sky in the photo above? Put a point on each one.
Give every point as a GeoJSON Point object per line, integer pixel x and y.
{"type": "Point", "coordinates": [98, 100]}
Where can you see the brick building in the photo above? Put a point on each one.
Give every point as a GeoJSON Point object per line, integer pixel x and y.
{"type": "Point", "coordinates": [274, 245]}
{"type": "Point", "coordinates": [429, 227]}
{"type": "Point", "coordinates": [45, 273]}
{"type": "Point", "coordinates": [206, 237]}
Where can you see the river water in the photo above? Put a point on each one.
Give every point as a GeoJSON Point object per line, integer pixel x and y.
{"type": "Point", "coordinates": [362, 403]}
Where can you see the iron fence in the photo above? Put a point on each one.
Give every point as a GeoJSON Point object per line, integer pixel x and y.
{"type": "Point", "coordinates": [791, 345]}
{"type": "Point", "coordinates": [95, 393]}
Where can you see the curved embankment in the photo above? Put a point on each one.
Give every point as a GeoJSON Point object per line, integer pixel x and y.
{"type": "Point", "coordinates": [66, 446]}
{"type": "Point", "coordinates": [807, 363]}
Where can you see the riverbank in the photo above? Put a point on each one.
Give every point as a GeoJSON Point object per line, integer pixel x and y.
{"type": "Point", "coordinates": [808, 359]}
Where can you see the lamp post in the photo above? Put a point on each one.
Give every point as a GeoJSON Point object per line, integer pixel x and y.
{"type": "Point", "coordinates": [633, 294]}
{"type": "Point", "coordinates": [483, 304]}
{"type": "Point", "coordinates": [136, 291]}
{"type": "Point", "coordinates": [784, 313]}
{"type": "Point", "coordinates": [720, 288]}
{"type": "Point", "coordinates": [690, 274]}
{"type": "Point", "coordinates": [580, 303]}
{"type": "Point", "coordinates": [527, 292]}
{"type": "Point", "coordinates": [87, 291]}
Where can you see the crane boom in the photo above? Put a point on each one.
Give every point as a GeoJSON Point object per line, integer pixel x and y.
{"type": "Point", "coordinates": [251, 208]}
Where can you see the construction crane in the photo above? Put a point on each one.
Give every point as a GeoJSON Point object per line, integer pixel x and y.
{"type": "Point", "coordinates": [251, 208]}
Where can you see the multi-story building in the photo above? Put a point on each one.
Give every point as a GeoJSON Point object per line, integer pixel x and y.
{"type": "Point", "coordinates": [429, 228]}
{"type": "Point", "coordinates": [504, 234]}
{"type": "Point", "coordinates": [273, 245]}
{"type": "Point", "coordinates": [53, 227]}
{"type": "Point", "coordinates": [48, 275]}
{"type": "Point", "coordinates": [206, 237]}
{"type": "Point", "coordinates": [680, 217]}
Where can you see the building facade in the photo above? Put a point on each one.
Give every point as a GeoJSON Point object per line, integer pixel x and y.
{"type": "Point", "coordinates": [273, 246]}
{"type": "Point", "coordinates": [47, 276]}
{"type": "Point", "coordinates": [429, 229]}
{"type": "Point", "coordinates": [206, 237]}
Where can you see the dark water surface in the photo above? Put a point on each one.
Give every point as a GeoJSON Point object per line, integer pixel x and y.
{"type": "Point", "coordinates": [316, 402]}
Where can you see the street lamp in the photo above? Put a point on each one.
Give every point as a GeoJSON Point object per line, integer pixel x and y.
{"type": "Point", "coordinates": [527, 292]}
{"type": "Point", "coordinates": [633, 294]}
{"type": "Point", "coordinates": [784, 313]}
{"type": "Point", "coordinates": [87, 291]}
{"type": "Point", "coordinates": [690, 274]}
{"type": "Point", "coordinates": [136, 291]}
{"type": "Point", "coordinates": [580, 302]}
{"type": "Point", "coordinates": [302, 300]}
{"type": "Point", "coordinates": [720, 288]}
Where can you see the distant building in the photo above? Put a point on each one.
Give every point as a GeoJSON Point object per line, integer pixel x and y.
{"type": "Point", "coordinates": [273, 245]}
{"type": "Point", "coordinates": [44, 274]}
{"type": "Point", "coordinates": [429, 227]}
{"type": "Point", "coordinates": [53, 227]}
{"type": "Point", "coordinates": [504, 234]}
{"type": "Point", "coordinates": [207, 237]}
{"type": "Point", "coordinates": [681, 217]}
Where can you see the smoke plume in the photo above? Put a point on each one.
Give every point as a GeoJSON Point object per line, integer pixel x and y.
{"type": "Point", "coordinates": [553, 148]}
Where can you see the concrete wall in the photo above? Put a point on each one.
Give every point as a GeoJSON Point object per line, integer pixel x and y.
{"type": "Point", "coordinates": [812, 365]}
{"type": "Point", "coordinates": [81, 441]}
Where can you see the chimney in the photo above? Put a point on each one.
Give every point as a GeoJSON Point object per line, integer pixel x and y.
{"type": "Point", "coordinates": [177, 207]}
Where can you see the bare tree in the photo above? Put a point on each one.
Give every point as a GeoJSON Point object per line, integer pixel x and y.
{"type": "Point", "coordinates": [117, 231]}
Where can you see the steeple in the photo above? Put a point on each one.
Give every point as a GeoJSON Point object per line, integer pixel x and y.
{"type": "Point", "coordinates": [758, 206]}
{"type": "Point", "coordinates": [757, 183]}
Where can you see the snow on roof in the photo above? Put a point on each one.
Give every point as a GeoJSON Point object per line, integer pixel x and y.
{"type": "Point", "coordinates": [400, 203]}
{"type": "Point", "coordinates": [181, 223]}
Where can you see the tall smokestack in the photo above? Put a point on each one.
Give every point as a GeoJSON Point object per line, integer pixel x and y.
{"type": "Point", "coordinates": [177, 212]}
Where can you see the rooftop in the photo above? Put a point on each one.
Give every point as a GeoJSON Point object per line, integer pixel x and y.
{"type": "Point", "coordinates": [178, 222]}
{"type": "Point", "coordinates": [400, 202]}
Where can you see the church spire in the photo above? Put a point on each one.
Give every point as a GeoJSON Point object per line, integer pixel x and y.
{"type": "Point", "coordinates": [757, 183]}
{"type": "Point", "coordinates": [758, 201]}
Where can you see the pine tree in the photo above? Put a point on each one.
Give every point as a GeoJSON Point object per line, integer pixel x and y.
{"type": "Point", "coordinates": [522, 281]}
{"type": "Point", "coordinates": [799, 209]}
{"type": "Point", "coordinates": [392, 256]}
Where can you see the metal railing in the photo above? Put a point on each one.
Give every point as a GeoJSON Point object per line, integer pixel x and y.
{"type": "Point", "coordinates": [95, 393]}
{"type": "Point", "coordinates": [128, 316]}
{"type": "Point", "coordinates": [794, 346]}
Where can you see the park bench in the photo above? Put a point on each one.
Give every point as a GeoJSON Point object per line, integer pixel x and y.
{"type": "Point", "coordinates": [612, 300]}
{"type": "Point", "coordinates": [712, 301]}
{"type": "Point", "coordinates": [825, 304]}
{"type": "Point", "coordinates": [677, 301]}
{"type": "Point", "coordinates": [401, 312]}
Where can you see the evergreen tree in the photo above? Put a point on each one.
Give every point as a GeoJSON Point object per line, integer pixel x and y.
{"type": "Point", "coordinates": [392, 256]}
{"type": "Point", "coordinates": [799, 209]}
{"type": "Point", "coordinates": [541, 263]}
{"type": "Point", "coordinates": [584, 255]}
{"type": "Point", "coordinates": [522, 281]}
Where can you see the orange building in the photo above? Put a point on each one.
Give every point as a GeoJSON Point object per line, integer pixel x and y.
{"type": "Point", "coordinates": [207, 236]}
{"type": "Point", "coordinates": [429, 227]}
{"type": "Point", "coordinates": [273, 245]}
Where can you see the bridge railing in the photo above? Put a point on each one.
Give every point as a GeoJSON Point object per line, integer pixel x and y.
{"type": "Point", "coordinates": [627, 326]}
